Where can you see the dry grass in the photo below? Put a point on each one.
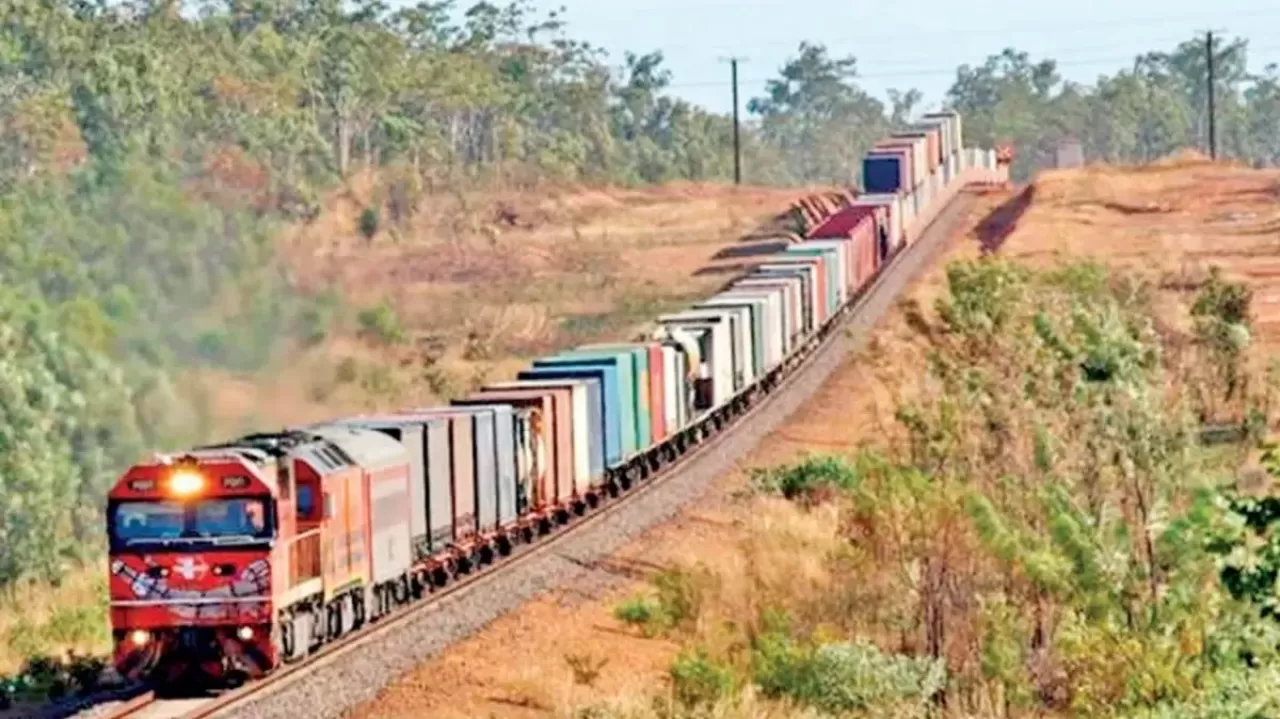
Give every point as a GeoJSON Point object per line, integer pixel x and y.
{"type": "Point", "coordinates": [38, 617]}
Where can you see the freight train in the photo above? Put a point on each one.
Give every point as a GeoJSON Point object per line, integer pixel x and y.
{"type": "Point", "coordinates": [230, 559]}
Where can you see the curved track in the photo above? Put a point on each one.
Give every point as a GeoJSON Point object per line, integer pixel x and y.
{"type": "Point", "coordinates": [723, 439]}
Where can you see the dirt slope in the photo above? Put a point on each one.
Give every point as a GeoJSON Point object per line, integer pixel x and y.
{"type": "Point", "coordinates": [1172, 221]}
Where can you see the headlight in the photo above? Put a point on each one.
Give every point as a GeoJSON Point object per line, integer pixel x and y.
{"type": "Point", "coordinates": [140, 637]}
{"type": "Point", "coordinates": [245, 633]}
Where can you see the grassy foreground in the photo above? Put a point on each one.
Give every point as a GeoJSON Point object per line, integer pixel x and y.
{"type": "Point", "coordinates": [1044, 535]}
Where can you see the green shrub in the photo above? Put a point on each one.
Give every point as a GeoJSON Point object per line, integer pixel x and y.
{"type": "Point", "coordinates": [370, 220]}
{"type": "Point", "coordinates": [641, 612]}
{"type": "Point", "coordinates": [697, 680]}
{"type": "Point", "coordinates": [809, 479]}
{"type": "Point", "coordinates": [382, 323]}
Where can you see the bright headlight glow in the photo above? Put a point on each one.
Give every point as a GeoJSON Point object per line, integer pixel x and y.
{"type": "Point", "coordinates": [245, 633]}
{"type": "Point", "coordinates": [140, 637]}
{"type": "Point", "coordinates": [185, 483]}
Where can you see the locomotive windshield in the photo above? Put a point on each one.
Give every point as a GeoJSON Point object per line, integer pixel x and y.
{"type": "Point", "coordinates": [222, 521]}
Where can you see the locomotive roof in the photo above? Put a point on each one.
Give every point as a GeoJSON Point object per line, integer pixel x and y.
{"type": "Point", "coordinates": [370, 448]}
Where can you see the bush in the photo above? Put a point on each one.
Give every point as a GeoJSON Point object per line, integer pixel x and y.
{"type": "Point", "coordinates": [810, 480]}
{"type": "Point", "coordinates": [843, 677]}
{"type": "Point", "coordinates": [382, 323]}
{"type": "Point", "coordinates": [369, 222]}
{"type": "Point", "coordinates": [697, 680]}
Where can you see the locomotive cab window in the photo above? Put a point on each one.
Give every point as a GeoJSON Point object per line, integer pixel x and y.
{"type": "Point", "coordinates": [218, 519]}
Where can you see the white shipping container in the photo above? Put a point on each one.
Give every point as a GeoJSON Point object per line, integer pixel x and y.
{"type": "Point", "coordinates": [754, 323]}
{"type": "Point", "coordinates": [717, 340]}
{"type": "Point", "coordinates": [771, 308]}
{"type": "Point", "coordinates": [790, 287]}
{"type": "Point", "coordinates": [810, 317]}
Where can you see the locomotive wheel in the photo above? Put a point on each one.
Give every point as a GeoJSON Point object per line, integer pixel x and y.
{"type": "Point", "coordinates": [358, 613]}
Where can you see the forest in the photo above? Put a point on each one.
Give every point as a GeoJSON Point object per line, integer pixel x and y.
{"type": "Point", "coordinates": [151, 151]}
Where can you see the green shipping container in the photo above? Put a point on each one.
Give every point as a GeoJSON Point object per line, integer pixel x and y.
{"type": "Point", "coordinates": [640, 370]}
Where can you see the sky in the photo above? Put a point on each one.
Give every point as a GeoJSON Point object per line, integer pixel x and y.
{"type": "Point", "coordinates": [903, 43]}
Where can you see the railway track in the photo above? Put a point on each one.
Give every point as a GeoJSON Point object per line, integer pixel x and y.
{"type": "Point", "coordinates": [720, 449]}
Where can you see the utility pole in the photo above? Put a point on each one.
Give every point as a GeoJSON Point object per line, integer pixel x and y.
{"type": "Point", "coordinates": [737, 140]}
{"type": "Point", "coordinates": [1213, 135]}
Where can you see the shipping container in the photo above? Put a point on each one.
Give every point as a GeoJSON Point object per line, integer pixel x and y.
{"type": "Point", "coordinates": [587, 404]}
{"type": "Point", "coordinates": [933, 142]}
{"type": "Point", "coordinates": [943, 127]}
{"type": "Point", "coordinates": [385, 491]}
{"type": "Point", "coordinates": [883, 173]}
{"type": "Point", "coordinates": [912, 170]}
{"type": "Point", "coordinates": [493, 460]}
{"type": "Point", "coordinates": [771, 329]}
{"type": "Point", "coordinates": [920, 150]}
{"type": "Point", "coordinates": [642, 388]}
{"type": "Point", "coordinates": [740, 322]}
{"type": "Point", "coordinates": [459, 482]}
{"type": "Point", "coordinates": [848, 263]}
{"type": "Point", "coordinates": [624, 386]}
{"type": "Point", "coordinates": [727, 368]}
{"type": "Point", "coordinates": [555, 485]}
{"type": "Point", "coordinates": [893, 207]}
{"type": "Point", "coordinates": [713, 382]}
{"type": "Point", "coordinates": [755, 316]}
{"type": "Point", "coordinates": [843, 264]}
{"type": "Point", "coordinates": [793, 302]}
{"type": "Point", "coordinates": [610, 398]}
{"type": "Point", "coordinates": [808, 290]}
{"type": "Point", "coordinates": [682, 356]}
{"type": "Point", "coordinates": [823, 295]}
{"type": "Point", "coordinates": [430, 504]}
{"type": "Point", "coordinates": [953, 125]}
{"type": "Point", "coordinates": [672, 387]}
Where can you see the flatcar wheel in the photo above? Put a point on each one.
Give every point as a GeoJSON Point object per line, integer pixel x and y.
{"type": "Point", "coordinates": [527, 534]}
{"type": "Point", "coordinates": [504, 545]}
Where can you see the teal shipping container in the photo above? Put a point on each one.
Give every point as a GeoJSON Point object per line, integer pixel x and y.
{"type": "Point", "coordinates": [640, 368]}
{"type": "Point", "coordinates": [626, 387]}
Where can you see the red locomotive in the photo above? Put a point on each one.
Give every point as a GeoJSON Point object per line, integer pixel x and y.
{"type": "Point", "coordinates": [228, 559]}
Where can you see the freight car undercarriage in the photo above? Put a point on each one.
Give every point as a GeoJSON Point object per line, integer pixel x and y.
{"type": "Point", "coordinates": [324, 622]}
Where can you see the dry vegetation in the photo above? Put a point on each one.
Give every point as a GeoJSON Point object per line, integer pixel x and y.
{"type": "Point", "coordinates": [736, 553]}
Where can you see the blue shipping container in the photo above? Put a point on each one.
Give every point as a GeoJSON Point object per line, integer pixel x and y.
{"type": "Point", "coordinates": [881, 174]}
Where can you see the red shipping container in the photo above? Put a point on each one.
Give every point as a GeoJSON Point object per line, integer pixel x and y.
{"type": "Point", "coordinates": [657, 392]}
